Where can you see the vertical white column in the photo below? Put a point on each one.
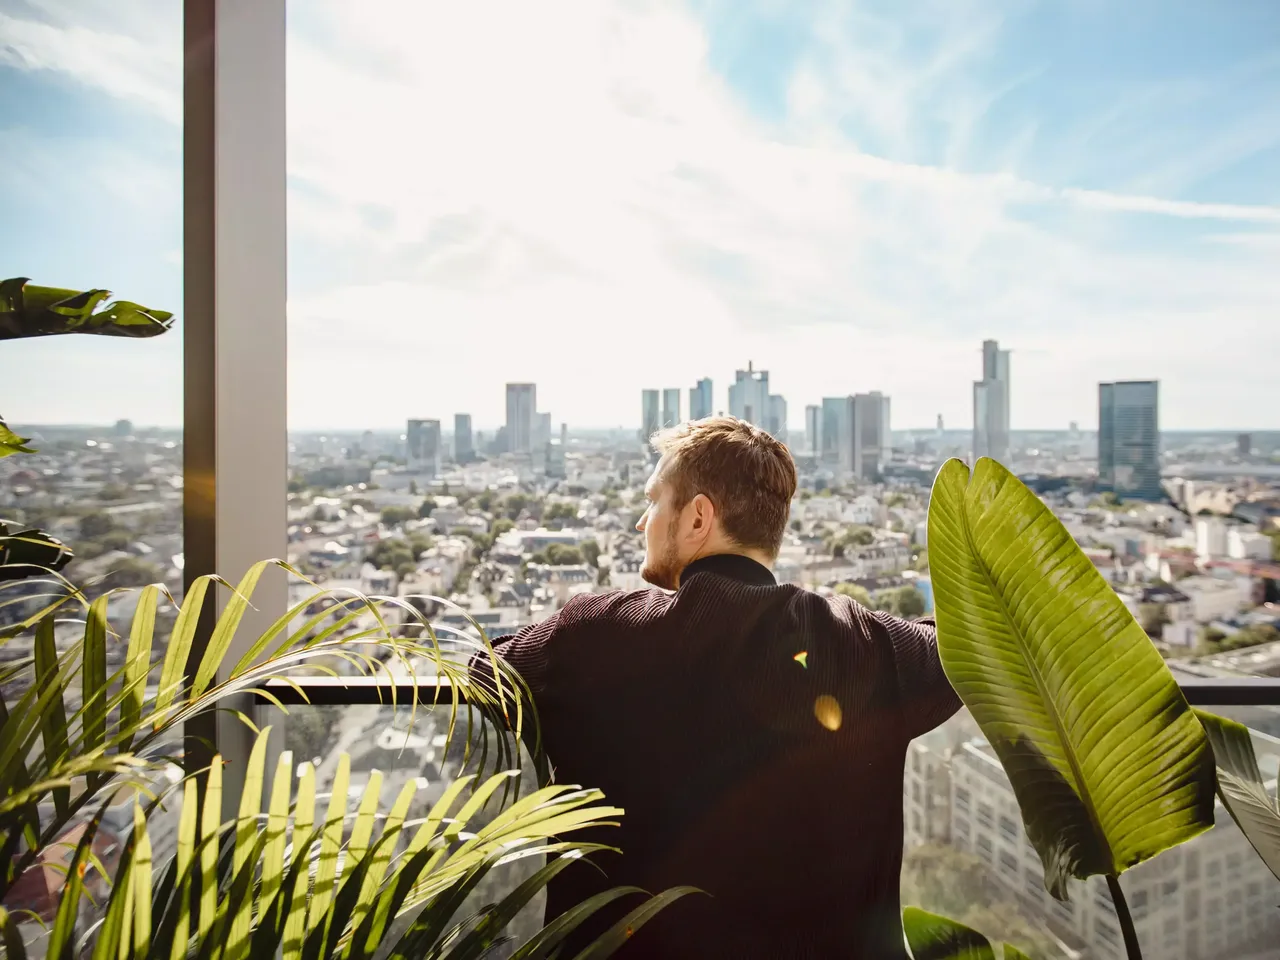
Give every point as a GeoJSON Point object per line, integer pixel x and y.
{"type": "Point", "coordinates": [234, 327]}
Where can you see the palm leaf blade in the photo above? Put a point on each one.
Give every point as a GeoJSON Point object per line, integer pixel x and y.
{"type": "Point", "coordinates": [1244, 793]}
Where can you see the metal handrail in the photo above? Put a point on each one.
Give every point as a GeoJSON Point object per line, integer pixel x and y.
{"type": "Point", "coordinates": [356, 691]}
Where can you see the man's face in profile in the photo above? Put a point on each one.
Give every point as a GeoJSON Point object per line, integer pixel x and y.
{"type": "Point", "coordinates": [660, 525]}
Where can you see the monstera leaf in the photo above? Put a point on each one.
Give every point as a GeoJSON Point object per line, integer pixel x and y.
{"type": "Point", "coordinates": [30, 311]}
{"type": "Point", "coordinates": [1109, 763]}
{"type": "Point", "coordinates": [1243, 791]}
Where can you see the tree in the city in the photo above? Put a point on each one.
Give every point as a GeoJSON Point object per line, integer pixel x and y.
{"type": "Point", "coordinates": [392, 553]}
{"type": "Point", "coordinates": [855, 591]}
{"type": "Point", "coordinates": [590, 552]}
{"type": "Point", "coordinates": [426, 507]}
{"type": "Point", "coordinates": [394, 516]}
{"type": "Point", "coordinates": [501, 526]}
{"type": "Point", "coordinates": [1153, 617]}
{"type": "Point", "coordinates": [907, 602]}
{"type": "Point", "coordinates": [95, 525]}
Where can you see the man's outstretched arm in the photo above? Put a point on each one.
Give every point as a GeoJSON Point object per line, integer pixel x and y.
{"type": "Point", "coordinates": [925, 693]}
{"type": "Point", "coordinates": [527, 652]}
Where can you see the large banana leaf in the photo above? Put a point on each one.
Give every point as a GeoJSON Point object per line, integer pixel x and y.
{"type": "Point", "coordinates": [1108, 762]}
{"type": "Point", "coordinates": [30, 311]}
{"type": "Point", "coordinates": [293, 888]}
{"type": "Point", "coordinates": [1243, 791]}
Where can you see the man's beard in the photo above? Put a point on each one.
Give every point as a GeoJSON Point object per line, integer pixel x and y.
{"type": "Point", "coordinates": [664, 570]}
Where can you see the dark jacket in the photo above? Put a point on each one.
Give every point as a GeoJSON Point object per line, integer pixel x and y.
{"type": "Point", "coordinates": [755, 734]}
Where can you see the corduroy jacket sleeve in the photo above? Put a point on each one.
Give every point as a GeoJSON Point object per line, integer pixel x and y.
{"type": "Point", "coordinates": [527, 652]}
{"type": "Point", "coordinates": [924, 691]}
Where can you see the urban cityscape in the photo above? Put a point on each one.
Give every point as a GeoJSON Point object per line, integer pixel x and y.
{"type": "Point", "coordinates": [501, 526]}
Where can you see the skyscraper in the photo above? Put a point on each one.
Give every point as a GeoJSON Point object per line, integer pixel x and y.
{"type": "Point", "coordinates": [776, 421]}
{"type": "Point", "coordinates": [700, 399]}
{"type": "Point", "coordinates": [650, 414]}
{"type": "Point", "coordinates": [871, 440]}
{"type": "Point", "coordinates": [1129, 439]}
{"type": "Point", "coordinates": [813, 430]}
{"type": "Point", "coordinates": [522, 405]}
{"type": "Point", "coordinates": [541, 432]}
{"type": "Point", "coordinates": [670, 406]}
{"type": "Point", "coordinates": [464, 450]}
{"type": "Point", "coordinates": [749, 395]}
{"type": "Point", "coordinates": [422, 446]}
{"type": "Point", "coordinates": [991, 404]}
{"type": "Point", "coordinates": [837, 433]}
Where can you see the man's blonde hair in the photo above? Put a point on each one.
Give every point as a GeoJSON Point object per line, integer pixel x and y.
{"type": "Point", "coordinates": [748, 476]}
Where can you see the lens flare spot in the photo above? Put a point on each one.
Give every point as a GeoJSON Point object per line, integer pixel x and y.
{"type": "Point", "coordinates": [827, 709]}
{"type": "Point", "coordinates": [802, 658]}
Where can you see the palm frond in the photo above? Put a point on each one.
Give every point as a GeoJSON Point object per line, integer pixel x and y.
{"type": "Point", "coordinates": [27, 310]}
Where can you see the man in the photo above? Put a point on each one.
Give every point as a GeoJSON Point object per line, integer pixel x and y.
{"type": "Point", "coordinates": [755, 733]}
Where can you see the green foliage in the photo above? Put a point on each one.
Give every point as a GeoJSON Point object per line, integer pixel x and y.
{"type": "Point", "coordinates": [905, 602]}
{"type": "Point", "coordinates": [1110, 767]}
{"type": "Point", "coordinates": [25, 552]}
{"type": "Point", "coordinates": [857, 592]}
{"type": "Point", "coordinates": [96, 525]}
{"type": "Point", "coordinates": [11, 443]}
{"type": "Point", "coordinates": [501, 526]}
{"type": "Point", "coordinates": [30, 311]}
{"type": "Point", "coordinates": [396, 553]}
{"type": "Point", "coordinates": [514, 504]}
{"type": "Point", "coordinates": [590, 552]}
{"type": "Point", "coordinates": [857, 536]}
{"type": "Point", "coordinates": [394, 516]}
{"type": "Point", "coordinates": [1242, 787]}
{"type": "Point", "coordinates": [1153, 617]}
{"type": "Point", "coordinates": [1215, 641]}
{"type": "Point", "coordinates": [283, 877]}
{"type": "Point", "coordinates": [560, 511]}
{"type": "Point", "coordinates": [922, 562]}
{"type": "Point", "coordinates": [426, 507]}
{"type": "Point", "coordinates": [943, 879]}
{"type": "Point", "coordinates": [558, 554]}
{"type": "Point", "coordinates": [932, 937]}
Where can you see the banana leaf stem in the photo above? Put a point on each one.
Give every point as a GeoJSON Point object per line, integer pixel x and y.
{"type": "Point", "coordinates": [1131, 947]}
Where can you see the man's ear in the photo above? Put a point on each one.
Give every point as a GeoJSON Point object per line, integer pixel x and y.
{"type": "Point", "coordinates": [702, 523]}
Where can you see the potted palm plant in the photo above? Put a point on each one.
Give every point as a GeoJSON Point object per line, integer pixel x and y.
{"type": "Point", "coordinates": [283, 876]}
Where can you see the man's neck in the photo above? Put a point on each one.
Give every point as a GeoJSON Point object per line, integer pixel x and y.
{"type": "Point", "coordinates": [758, 556]}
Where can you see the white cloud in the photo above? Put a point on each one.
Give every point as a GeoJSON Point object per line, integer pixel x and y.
{"type": "Point", "coordinates": [569, 193]}
{"type": "Point", "coordinates": [129, 49]}
{"type": "Point", "coordinates": [589, 205]}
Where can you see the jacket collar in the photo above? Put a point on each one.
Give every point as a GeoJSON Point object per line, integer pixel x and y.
{"type": "Point", "coordinates": [731, 565]}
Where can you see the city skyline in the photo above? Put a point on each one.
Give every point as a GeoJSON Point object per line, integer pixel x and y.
{"type": "Point", "coordinates": [858, 195]}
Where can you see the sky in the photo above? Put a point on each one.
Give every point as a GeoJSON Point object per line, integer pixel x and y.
{"type": "Point", "coordinates": [606, 195]}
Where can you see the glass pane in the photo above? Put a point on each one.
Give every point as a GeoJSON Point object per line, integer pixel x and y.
{"type": "Point", "coordinates": [90, 199]}
{"type": "Point", "coordinates": [91, 189]}
{"type": "Point", "coordinates": [967, 857]}
{"type": "Point", "coordinates": [407, 745]}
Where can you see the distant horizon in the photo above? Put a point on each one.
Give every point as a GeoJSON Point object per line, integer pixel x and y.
{"type": "Point", "coordinates": [110, 425]}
